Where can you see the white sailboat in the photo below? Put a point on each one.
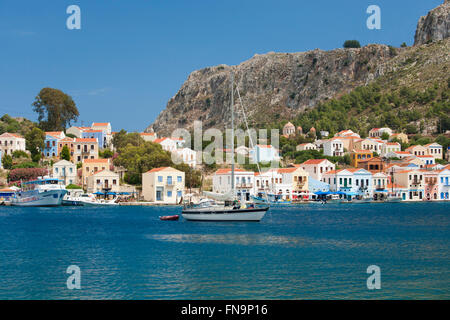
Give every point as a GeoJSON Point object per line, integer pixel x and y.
{"type": "Point", "coordinates": [231, 210]}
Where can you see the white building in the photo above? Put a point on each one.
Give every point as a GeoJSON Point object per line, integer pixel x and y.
{"type": "Point", "coordinates": [378, 132]}
{"type": "Point", "coordinates": [398, 154]}
{"type": "Point", "coordinates": [66, 171]}
{"type": "Point", "coordinates": [316, 168]}
{"type": "Point", "coordinates": [77, 131]}
{"type": "Point", "coordinates": [352, 181]}
{"type": "Point", "coordinates": [444, 184]}
{"type": "Point", "coordinates": [426, 160]}
{"type": "Point", "coordinates": [167, 144]}
{"type": "Point", "coordinates": [390, 147]}
{"type": "Point", "coordinates": [306, 146]}
{"type": "Point", "coordinates": [242, 150]}
{"type": "Point", "coordinates": [244, 182]}
{"type": "Point", "coordinates": [264, 153]}
{"type": "Point", "coordinates": [435, 150]}
{"type": "Point", "coordinates": [149, 136]}
{"type": "Point", "coordinates": [347, 133]}
{"type": "Point", "coordinates": [287, 183]}
{"type": "Point", "coordinates": [333, 147]}
{"type": "Point", "coordinates": [10, 142]}
{"type": "Point", "coordinates": [187, 156]}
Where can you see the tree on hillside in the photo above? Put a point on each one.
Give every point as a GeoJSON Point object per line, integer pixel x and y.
{"type": "Point", "coordinates": [352, 44]}
{"type": "Point", "coordinates": [105, 154]}
{"type": "Point", "coordinates": [140, 159]}
{"type": "Point", "coordinates": [20, 154]}
{"type": "Point", "coordinates": [385, 136]}
{"type": "Point", "coordinates": [15, 125]}
{"type": "Point", "coordinates": [7, 162]}
{"type": "Point", "coordinates": [65, 153]}
{"type": "Point", "coordinates": [35, 143]}
{"type": "Point", "coordinates": [121, 139]}
{"type": "Point", "coordinates": [56, 110]}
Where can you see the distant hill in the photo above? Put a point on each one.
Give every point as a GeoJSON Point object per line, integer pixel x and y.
{"type": "Point", "coordinates": [277, 87]}
{"type": "Point", "coordinates": [18, 125]}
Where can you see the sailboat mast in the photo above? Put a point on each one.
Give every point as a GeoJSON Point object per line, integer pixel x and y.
{"type": "Point", "coordinates": [232, 136]}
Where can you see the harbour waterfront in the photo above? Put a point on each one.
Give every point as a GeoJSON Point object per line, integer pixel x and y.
{"type": "Point", "coordinates": [309, 251]}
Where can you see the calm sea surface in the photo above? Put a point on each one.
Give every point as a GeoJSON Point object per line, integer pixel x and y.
{"type": "Point", "coordinates": [299, 252]}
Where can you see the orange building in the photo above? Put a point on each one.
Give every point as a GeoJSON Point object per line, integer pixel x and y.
{"type": "Point", "coordinates": [67, 141]}
{"type": "Point", "coordinates": [357, 155]}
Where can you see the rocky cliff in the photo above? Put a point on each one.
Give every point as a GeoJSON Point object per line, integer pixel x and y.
{"type": "Point", "coordinates": [278, 86]}
{"type": "Point", "coordinates": [435, 26]}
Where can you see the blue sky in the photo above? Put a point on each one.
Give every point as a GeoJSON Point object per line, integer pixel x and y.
{"type": "Point", "coordinates": [131, 57]}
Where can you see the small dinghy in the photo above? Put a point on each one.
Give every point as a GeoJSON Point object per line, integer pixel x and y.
{"type": "Point", "coordinates": [169, 218]}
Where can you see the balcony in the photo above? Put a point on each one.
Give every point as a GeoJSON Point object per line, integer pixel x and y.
{"type": "Point", "coordinates": [244, 185]}
{"type": "Point", "coordinates": [300, 184]}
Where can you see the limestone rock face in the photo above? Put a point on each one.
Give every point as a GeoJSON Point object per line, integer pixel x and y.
{"type": "Point", "coordinates": [435, 26]}
{"type": "Point", "coordinates": [273, 86]}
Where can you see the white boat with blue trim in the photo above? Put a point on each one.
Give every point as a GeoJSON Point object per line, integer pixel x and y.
{"type": "Point", "coordinates": [43, 192]}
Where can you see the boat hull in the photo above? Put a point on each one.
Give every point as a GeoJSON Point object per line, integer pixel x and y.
{"type": "Point", "coordinates": [250, 215]}
{"type": "Point", "coordinates": [72, 203]}
{"type": "Point", "coordinates": [51, 198]}
{"type": "Point", "coordinates": [97, 204]}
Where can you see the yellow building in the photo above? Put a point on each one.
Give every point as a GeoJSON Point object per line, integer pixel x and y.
{"type": "Point", "coordinates": [297, 179]}
{"type": "Point", "coordinates": [399, 136]}
{"type": "Point", "coordinates": [103, 180]}
{"type": "Point", "coordinates": [413, 183]}
{"type": "Point", "coordinates": [417, 150]}
{"type": "Point", "coordinates": [163, 185]}
{"type": "Point", "coordinates": [92, 166]}
{"type": "Point", "coordinates": [358, 155]}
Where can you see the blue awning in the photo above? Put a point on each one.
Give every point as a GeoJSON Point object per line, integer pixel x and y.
{"type": "Point", "coordinates": [99, 193]}
{"type": "Point", "coordinates": [322, 193]}
{"type": "Point", "coordinates": [111, 193]}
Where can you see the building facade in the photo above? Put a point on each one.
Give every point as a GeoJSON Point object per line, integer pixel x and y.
{"type": "Point", "coordinates": [264, 153]}
{"type": "Point", "coordinates": [92, 166]}
{"type": "Point", "coordinates": [316, 168]}
{"type": "Point", "coordinates": [244, 182]}
{"type": "Point", "coordinates": [66, 171]}
{"type": "Point", "coordinates": [333, 147]}
{"type": "Point", "coordinates": [85, 148]}
{"type": "Point", "coordinates": [103, 181]}
{"type": "Point", "coordinates": [10, 142]}
{"type": "Point", "coordinates": [163, 185]}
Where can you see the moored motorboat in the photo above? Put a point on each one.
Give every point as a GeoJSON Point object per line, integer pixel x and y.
{"type": "Point", "coordinates": [43, 192]}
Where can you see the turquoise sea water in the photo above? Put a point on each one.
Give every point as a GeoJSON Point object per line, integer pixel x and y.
{"type": "Point", "coordinates": [300, 252]}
